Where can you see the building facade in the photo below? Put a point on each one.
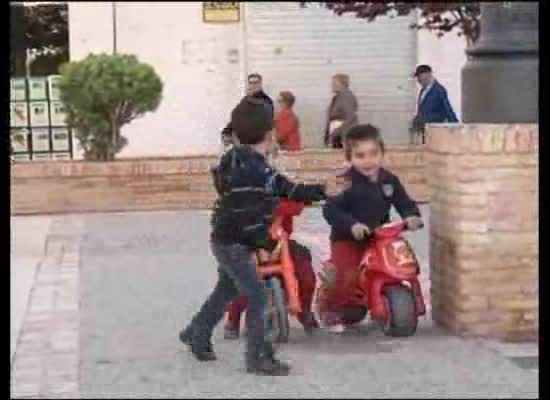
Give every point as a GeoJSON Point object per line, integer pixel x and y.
{"type": "Point", "coordinates": [204, 65]}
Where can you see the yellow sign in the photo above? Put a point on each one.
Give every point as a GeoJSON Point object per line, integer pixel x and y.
{"type": "Point", "coordinates": [221, 11]}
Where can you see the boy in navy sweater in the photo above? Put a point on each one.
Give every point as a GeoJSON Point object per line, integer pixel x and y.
{"type": "Point", "coordinates": [361, 207]}
{"type": "Point", "coordinates": [248, 191]}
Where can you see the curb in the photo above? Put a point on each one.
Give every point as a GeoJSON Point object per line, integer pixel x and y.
{"type": "Point", "coordinates": [46, 359]}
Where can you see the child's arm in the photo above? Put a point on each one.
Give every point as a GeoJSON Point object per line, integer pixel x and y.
{"type": "Point", "coordinates": [337, 214]}
{"type": "Point", "coordinates": [301, 192]}
{"type": "Point", "coordinates": [405, 206]}
{"type": "Point", "coordinates": [279, 185]}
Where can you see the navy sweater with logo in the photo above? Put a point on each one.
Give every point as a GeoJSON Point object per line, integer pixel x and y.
{"type": "Point", "coordinates": [249, 189]}
{"type": "Point", "coordinates": [367, 202]}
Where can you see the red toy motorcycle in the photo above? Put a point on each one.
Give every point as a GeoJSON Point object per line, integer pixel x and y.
{"type": "Point", "coordinates": [387, 283]}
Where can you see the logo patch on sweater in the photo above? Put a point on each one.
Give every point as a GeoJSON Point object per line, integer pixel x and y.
{"type": "Point", "coordinates": [387, 189]}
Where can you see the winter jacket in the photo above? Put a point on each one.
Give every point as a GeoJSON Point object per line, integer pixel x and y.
{"type": "Point", "coordinates": [249, 190]}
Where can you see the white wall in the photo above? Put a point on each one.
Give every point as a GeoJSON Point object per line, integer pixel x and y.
{"type": "Point", "coordinates": [446, 55]}
{"type": "Point", "coordinates": [200, 84]}
{"type": "Point", "coordinates": [84, 35]}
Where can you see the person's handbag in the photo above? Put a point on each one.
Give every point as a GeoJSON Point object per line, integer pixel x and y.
{"type": "Point", "coordinates": [334, 139]}
{"type": "Point", "coordinates": [333, 125]}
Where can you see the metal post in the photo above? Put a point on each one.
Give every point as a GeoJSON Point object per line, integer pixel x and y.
{"type": "Point", "coordinates": [113, 4]}
{"type": "Point", "coordinates": [29, 54]}
{"type": "Point", "coordinates": [28, 61]}
{"type": "Point", "coordinates": [500, 78]}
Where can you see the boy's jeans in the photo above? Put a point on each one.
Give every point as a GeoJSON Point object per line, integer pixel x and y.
{"type": "Point", "coordinates": [236, 275]}
{"type": "Point", "coordinates": [306, 283]}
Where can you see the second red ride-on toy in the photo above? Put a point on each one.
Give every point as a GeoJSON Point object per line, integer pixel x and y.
{"type": "Point", "coordinates": [387, 284]}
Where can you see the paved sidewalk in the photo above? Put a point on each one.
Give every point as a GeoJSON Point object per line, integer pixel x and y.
{"type": "Point", "coordinates": [46, 355]}
{"type": "Point", "coordinates": [28, 237]}
{"type": "Point", "coordinates": [141, 276]}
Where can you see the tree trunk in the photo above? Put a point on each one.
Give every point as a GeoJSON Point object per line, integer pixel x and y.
{"type": "Point", "coordinates": [115, 135]}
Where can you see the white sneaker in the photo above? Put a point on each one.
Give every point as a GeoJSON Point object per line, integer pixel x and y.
{"type": "Point", "coordinates": [338, 328]}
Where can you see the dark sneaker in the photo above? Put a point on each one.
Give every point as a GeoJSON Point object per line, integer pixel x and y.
{"type": "Point", "coordinates": [230, 332]}
{"type": "Point", "coordinates": [204, 353]}
{"type": "Point", "coordinates": [201, 352]}
{"type": "Point", "coordinates": [309, 323]}
{"type": "Point", "coordinates": [185, 336]}
{"type": "Point", "coordinates": [268, 366]}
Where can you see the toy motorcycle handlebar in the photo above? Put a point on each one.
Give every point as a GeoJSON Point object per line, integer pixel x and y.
{"type": "Point", "coordinates": [398, 224]}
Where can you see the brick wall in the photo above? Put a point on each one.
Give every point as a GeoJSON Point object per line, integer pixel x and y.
{"type": "Point", "coordinates": [484, 229]}
{"type": "Point", "coordinates": [169, 183]}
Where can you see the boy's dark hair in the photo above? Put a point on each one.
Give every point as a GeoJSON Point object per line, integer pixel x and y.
{"type": "Point", "coordinates": [362, 133]}
{"type": "Point", "coordinates": [251, 121]}
{"type": "Point", "coordinates": [254, 75]}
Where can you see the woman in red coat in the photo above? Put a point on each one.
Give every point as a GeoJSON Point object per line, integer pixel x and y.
{"type": "Point", "coordinates": [304, 275]}
{"type": "Point", "coordinates": [287, 126]}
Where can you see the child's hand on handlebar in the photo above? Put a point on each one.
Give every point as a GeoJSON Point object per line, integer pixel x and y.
{"type": "Point", "coordinates": [360, 231]}
{"type": "Point", "coordinates": [414, 223]}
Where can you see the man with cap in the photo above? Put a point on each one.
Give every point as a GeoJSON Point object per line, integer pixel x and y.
{"type": "Point", "coordinates": [433, 103]}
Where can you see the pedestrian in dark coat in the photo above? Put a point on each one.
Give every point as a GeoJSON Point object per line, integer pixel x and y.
{"type": "Point", "coordinates": [254, 94]}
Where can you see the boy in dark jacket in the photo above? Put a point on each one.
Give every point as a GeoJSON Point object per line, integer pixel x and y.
{"type": "Point", "coordinates": [361, 207]}
{"type": "Point", "coordinates": [248, 189]}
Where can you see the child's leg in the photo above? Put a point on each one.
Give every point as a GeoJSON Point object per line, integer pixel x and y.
{"type": "Point", "coordinates": [242, 270]}
{"type": "Point", "coordinates": [199, 331]}
{"type": "Point", "coordinates": [233, 323]}
{"type": "Point", "coordinates": [234, 311]}
{"type": "Point", "coordinates": [305, 276]}
{"type": "Point", "coordinates": [346, 256]}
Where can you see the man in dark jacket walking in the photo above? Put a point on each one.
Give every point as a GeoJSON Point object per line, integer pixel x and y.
{"type": "Point", "coordinates": [433, 102]}
{"type": "Point", "coordinates": [254, 94]}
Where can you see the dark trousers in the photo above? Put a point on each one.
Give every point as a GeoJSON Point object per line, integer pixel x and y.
{"type": "Point", "coordinates": [236, 275]}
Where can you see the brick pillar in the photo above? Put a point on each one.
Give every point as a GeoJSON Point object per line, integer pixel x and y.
{"type": "Point", "coordinates": [483, 182]}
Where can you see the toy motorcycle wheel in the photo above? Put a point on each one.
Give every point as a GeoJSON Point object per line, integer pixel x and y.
{"type": "Point", "coordinates": [401, 311]}
{"type": "Point", "coordinates": [277, 324]}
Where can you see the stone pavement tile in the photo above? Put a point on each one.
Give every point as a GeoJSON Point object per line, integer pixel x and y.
{"type": "Point", "coordinates": [511, 349]}
{"type": "Point", "coordinates": [523, 355]}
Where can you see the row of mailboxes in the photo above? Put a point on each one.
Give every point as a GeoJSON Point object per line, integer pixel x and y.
{"type": "Point", "coordinates": [36, 88]}
{"type": "Point", "coordinates": [42, 139]}
{"type": "Point", "coordinates": [37, 113]}
{"type": "Point", "coordinates": [36, 102]}
{"type": "Point", "coordinates": [38, 120]}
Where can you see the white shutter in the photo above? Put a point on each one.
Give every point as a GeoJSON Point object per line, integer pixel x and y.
{"type": "Point", "coordinates": [299, 49]}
